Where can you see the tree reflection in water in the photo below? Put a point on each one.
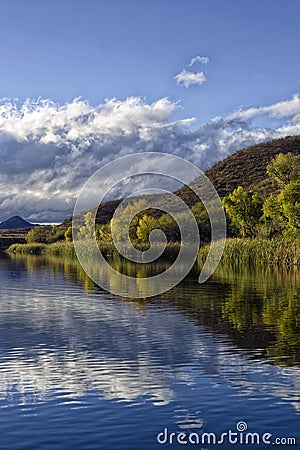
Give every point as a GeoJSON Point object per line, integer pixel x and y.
{"type": "Point", "coordinates": [258, 307]}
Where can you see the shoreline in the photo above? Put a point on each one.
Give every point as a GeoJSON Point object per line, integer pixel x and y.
{"type": "Point", "coordinates": [277, 251]}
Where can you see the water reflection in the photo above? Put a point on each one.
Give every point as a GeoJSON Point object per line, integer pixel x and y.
{"type": "Point", "coordinates": [257, 307]}
{"type": "Point", "coordinates": [198, 356]}
{"type": "Point", "coordinates": [266, 302]}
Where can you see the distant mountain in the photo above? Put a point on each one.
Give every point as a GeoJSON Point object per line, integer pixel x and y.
{"type": "Point", "coordinates": [15, 222]}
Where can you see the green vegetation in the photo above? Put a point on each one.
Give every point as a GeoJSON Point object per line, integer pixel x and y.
{"type": "Point", "coordinates": [57, 248]}
{"type": "Point", "coordinates": [284, 168]}
{"type": "Point", "coordinates": [272, 226]}
{"type": "Point", "coordinates": [246, 168]}
{"type": "Point", "coordinates": [244, 209]}
{"type": "Point", "coordinates": [282, 211]}
{"type": "Point", "coordinates": [69, 235]}
{"type": "Point", "coordinates": [274, 251]}
{"type": "Point", "coordinates": [262, 226]}
{"type": "Point", "coordinates": [45, 235]}
{"type": "Point", "coordinates": [145, 226]}
{"type": "Point", "coordinates": [27, 249]}
{"type": "Point", "coordinates": [126, 221]}
{"type": "Point", "coordinates": [87, 230]}
{"type": "Point", "coordinates": [270, 230]}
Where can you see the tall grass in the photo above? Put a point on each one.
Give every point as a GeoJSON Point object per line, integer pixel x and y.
{"type": "Point", "coordinates": [27, 249]}
{"type": "Point", "coordinates": [277, 251]}
{"type": "Point", "coordinates": [84, 248]}
{"type": "Point", "coordinates": [59, 249]}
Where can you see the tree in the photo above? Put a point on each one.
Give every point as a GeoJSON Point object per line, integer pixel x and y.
{"type": "Point", "coordinates": [282, 211]}
{"type": "Point", "coordinates": [244, 209]}
{"type": "Point", "coordinates": [203, 222]}
{"type": "Point", "coordinates": [87, 231]}
{"type": "Point", "coordinates": [103, 233]}
{"type": "Point", "coordinates": [284, 168]}
{"type": "Point", "coordinates": [132, 212]}
{"type": "Point", "coordinates": [169, 226]}
{"type": "Point", "coordinates": [36, 235]}
{"type": "Point", "coordinates": [290, 200]}
{"type": "Point", "coordinates": [56, 234]}
{"type": "Point", "coordinates": [273, 219]}
{"type": "Point", "coordinates": [145, 226]}
{"type": "Point", "coordinates": [69, 235]}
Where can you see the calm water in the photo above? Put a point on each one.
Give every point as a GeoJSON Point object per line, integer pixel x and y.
{"type": "Point", "coordinates": [82, 369]}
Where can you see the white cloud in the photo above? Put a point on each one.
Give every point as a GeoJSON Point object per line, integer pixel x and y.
{"type": "Point", "coordinates": [200, 59]}
{"type": "Point", "coordinates": [186, 78]}
{"type": "Point", "coordinates": [282, 109]}
{"type": "Point", "coordinates": [48, 151]}
{"type": "Point", "coordinates": [46, 122]}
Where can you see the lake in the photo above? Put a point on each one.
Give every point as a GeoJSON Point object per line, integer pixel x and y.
{"type": "Point", "coordinates": [83, 369]}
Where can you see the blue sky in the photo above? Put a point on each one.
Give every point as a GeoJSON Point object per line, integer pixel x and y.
{"type": "Point", "coordinates": [121, 58]}
{"type": "Point", "coordinates": [109, 48]}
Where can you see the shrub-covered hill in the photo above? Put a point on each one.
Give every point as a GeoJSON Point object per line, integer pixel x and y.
{"type": "Point", "coordinates": [245, 168]}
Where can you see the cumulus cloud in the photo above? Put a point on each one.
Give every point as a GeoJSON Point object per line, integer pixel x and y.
{"type": "Point", "coordinates": [48, 151]}
{"type": "Point", "coordinates": [199, 59]}
{"type": "Point", "coordinates": [186, 78]}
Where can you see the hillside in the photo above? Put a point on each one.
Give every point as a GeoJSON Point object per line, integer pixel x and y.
{"type": "Point", "coordinates": [15, 222]}
{"type": "Point", "coordinates": [245, 168]}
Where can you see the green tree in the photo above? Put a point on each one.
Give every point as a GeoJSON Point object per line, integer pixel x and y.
{"type": "Point", "coordinates": [282, 211]}
{"type": "Point", "coordinates": [290, 200]}
{"type": "Point", "coordinates": [103, 233]}
{"type": "Point", "coordinates": [68, 234]}
{"type": "Point", "coordinates": [36, 235]}
{"type": "Point", "coordinates": [145, 226]}
{"type": "Point", "coordinates": [203, 222]}
{"type": "Point", "coordinates": [169, 226]}
{"type": "Point", "coordinates": [55, 234]}
{"type": "Point", "coordinates": [131, 212]}
{"type": "Point", "coordinates": [87, 231]}
{"type": "Point", "coordinates": [273, 219]}
{"type": "Point", "coordinates": [284, 168]}
{"type": "Point", "coordinates": [244, 208]}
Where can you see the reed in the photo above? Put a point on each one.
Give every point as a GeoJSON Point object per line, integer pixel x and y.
{"type": "Point", "coordinates": [84, 248]}
{"type": "Point", "coordinates": [278, 251]}
{"type": "Point", "coordinates": [27, 249]}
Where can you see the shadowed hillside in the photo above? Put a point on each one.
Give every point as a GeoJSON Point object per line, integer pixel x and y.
{"type": "Point", "coordinates": [247, 167]}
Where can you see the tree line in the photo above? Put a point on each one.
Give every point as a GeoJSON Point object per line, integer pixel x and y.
{"type": "Point", "coordinates": [248, 214]}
